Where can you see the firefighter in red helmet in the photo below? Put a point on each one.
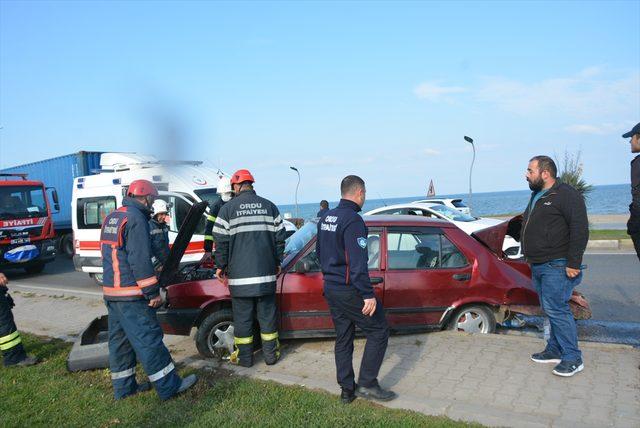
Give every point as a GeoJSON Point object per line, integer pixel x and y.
{"type": "Point", "coordinates": [249, 237]}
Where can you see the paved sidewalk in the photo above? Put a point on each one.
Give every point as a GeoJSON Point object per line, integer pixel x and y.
{"type": "Point", "coordinates": [484, 378]}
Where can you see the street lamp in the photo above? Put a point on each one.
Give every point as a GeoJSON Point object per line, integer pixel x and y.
{"type": "Point", "coordinates": [470, 141]}
{"type": "Point", "coordinates": [297, 185]}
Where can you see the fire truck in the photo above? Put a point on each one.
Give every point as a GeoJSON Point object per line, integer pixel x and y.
{"type": "Point", "coordinates": [27, 236]}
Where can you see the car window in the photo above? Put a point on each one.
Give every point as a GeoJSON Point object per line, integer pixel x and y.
{"type": "Point", "coordinates": [393, 211]}
{"type": "Point", "coordinates": [373, 250]}
{"type": "Point", "coordinates": [92, 211]}
{"type": "Point", "coordinates": [452, 214]}
{"type": "Point", "coordinates": [458, 203]}
{"type": "Point", "coordinates": [415, 250]}
{"type": "Point", "coordinates": [310, 262]}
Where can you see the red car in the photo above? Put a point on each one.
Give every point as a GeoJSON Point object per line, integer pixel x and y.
{"type": "Point", "coordinates": [428, 274]}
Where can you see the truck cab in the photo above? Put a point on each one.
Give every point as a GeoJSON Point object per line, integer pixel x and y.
{"type": "Point", "coordinates": [26, 229]}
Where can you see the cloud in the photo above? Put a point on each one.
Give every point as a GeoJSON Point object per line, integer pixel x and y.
{"type": "Point", "coordinates": [434, 91]}
{"type": "Point", "coordinates": [431, 152]}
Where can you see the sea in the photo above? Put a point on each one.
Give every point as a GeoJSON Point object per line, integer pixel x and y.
{"type": "Point", "coordinates": [608, 199]}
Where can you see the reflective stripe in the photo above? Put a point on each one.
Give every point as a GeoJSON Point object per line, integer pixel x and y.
{"type": "Point", "coordinates": [116, 267]}
{"type": "Point", "coordinates": [243, 340]}
{"type": "Point", "coordinates": [222, 223]}
{"type": "Point", "coordinates": [156, 232]}
{"type": "Point", "coordinates": [152, 280]}
{"type": "Point", "coordinates": [208, 238]}
{"type": "Point", "coordinates": [220, 231]}
{"type": "Point", "coordinates": [254, 228]}
{"type": "Point", "coordinates": [123, 374]}
{"type": "Point", "coordinates": [11, 344]}
{"type": "Point", "coordinates": [252, 219]}
{"type": "Point", "coordinates": [9, 337]}
{"type": "Point", "coordinates": [162, 373]}
{"type": "Point", "coordinates": [252, 280]}
{"type": "Point", "coordinates": [269, 336]}
{"type": "Point", "coordinates": [122, 291]}
{"type": "Point", "coordinates": [278, 219]}
{"type": "Point", "coordinates": [211, 218]}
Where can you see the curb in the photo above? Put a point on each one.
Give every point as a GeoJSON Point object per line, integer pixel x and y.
{"type": "Point", "coordinates": [611, 244]}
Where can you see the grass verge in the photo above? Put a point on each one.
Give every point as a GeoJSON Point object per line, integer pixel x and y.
{"type": "Point", "coordinates": [596, 234]}
{"type": "Point", "coordinates": [47, 394]}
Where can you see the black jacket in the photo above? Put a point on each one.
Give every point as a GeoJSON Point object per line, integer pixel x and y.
{"type": "Point", "coordinates": [633, 225]}
{"type": "Point", "coordinates": [342, 249]}
{"type": "Point", "coordinates": [249, 237]}
{"type": "Point", "coordinates": [556, 227]}
{"type": "Point", "coordinates": [208, 228]}
{"type": "Point", "coordinates": [159, 235]}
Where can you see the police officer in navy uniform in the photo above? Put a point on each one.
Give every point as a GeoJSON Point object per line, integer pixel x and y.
{"type": "Point", "coordinates": [132, 294]}
{"type": "Point", "coordinates": [633, 225]}
{"type": "Point", "coordinates": [13, 353]}
{"type": "Point", "coordinates": [342, 250]}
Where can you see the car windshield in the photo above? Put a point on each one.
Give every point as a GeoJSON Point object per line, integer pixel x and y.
{"type": "Point", "coordinates": [450, 213]}
{"type": "Point", "coordinates": [458, 203]}
{"type": "Point", "coordinates": [208, 195]}
{"type": "Point", "coordinates": [298, 240]}
{"type": "Point", "coordinates": [21, 202]}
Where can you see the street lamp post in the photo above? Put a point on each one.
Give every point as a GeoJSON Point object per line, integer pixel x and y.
{"type": "Point", "coordinates": [297, 185]}
{"type": "Point", "coordinates": [470, 141]}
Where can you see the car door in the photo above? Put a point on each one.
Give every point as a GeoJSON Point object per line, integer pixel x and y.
{"type": "Point", "coordinates": [425, 273]}
{"type": "Point", "coordinates": [303, 309]}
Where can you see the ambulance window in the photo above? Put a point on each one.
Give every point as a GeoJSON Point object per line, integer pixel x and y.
{"type": "Point", "coordinates": [180, 210]}
{"type": "Point", "coordinates": [91, 212]}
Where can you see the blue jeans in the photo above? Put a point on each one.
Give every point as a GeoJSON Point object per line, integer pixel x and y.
{"type": "Point", "coordinates": [554, 289]}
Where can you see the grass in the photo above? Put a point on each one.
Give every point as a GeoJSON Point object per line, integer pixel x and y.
{"type": "Point", "coordinates": [47, 395]}
{"type": "Point", "coordinates": [608, 234]}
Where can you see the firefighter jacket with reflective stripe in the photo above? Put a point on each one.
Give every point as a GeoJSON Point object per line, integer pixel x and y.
{"type": "Point", "coordinates": [159, 235]}
{"type": "Point", "coordinates": [249, 237]}
{"type": "Point", "coordinates": [126, 254]}
{"type": "Point", "coordinates": [342, 249]}
{"type": "Point", "coordinates": [208, 228]}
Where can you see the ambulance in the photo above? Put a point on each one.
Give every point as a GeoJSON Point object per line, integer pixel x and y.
{"type": "Point", "coordinates": [180, 183]}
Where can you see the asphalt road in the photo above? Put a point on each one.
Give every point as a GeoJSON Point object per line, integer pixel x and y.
{"type": "Point", "coordinates": [611, 284]}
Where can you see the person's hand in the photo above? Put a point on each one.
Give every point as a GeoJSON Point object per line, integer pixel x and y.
{"type": "Point", "coordinates": [3, 280]}
{"type": "Point", "coordinates": [155, 302]}
{"type": "Point", "coordinates": [369, 307]}
{"type": "Point", "coordinates": [220, 275]}
{"type": "Point", "coordinates": [572, 273]}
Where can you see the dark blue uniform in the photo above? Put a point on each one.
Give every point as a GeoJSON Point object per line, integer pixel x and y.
{"type": "Point", "coordinates": [129, 283]}
{"type": "Point", "coordinates": [342, 251]}
{"type": "Point", "coordinates": [159, 234]}
{"type": "Point", "coordinates": [10, 340]}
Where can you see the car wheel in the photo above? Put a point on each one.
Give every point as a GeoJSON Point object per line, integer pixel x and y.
{"type": "Point", "coordinates": [214, 338]}
{"type": "Point", "coordinates": [473, 319]}
{"type": "Point", "coordinates": [33, 269]}
{"type": "Point", "coordinates": [97, 278]}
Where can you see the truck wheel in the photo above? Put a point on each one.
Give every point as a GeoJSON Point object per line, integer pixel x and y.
{"type": "Point", "coordinates": [33, 269]}
{"type": "Point", "coordinates": [97, 278]}
{"type": "Point", "coordinates": [214, 338]}
{"type": "Point", "coordinates": [66, 245]}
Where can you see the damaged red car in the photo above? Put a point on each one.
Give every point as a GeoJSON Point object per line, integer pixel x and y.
{"type": "Point", "coordinates": [428, 274]}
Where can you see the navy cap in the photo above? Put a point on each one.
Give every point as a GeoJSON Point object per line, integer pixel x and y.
{"type": "Point", "coordinates": [634, 131]}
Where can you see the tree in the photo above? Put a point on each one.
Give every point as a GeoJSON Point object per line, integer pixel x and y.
{"type": "Point", "coordinates": [571, 173]}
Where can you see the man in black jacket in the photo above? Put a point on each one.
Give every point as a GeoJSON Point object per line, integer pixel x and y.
{"type": "Point", "coordinates": [555, 231]}
{"type": "Point", "coordinates": [633, 225]}
{"type": "Point", "coordinates": [249, 237]}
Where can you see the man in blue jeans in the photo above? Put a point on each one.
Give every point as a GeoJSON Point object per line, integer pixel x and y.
{"type": "Point", "coordinates": [554, 235]}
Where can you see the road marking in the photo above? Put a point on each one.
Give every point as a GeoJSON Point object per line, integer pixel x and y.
{"type": "Point", "coordinates": [613, 253]}
{"type": "Point", "coordinates": [62, 290]}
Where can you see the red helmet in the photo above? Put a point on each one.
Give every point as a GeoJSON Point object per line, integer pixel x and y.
{"type": "Point", "coordinates": [142, 188]}
{"type": "Point", "coordinates": [242, 175]}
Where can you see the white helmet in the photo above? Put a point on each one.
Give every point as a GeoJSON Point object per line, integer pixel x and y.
{"type": "Point", "coordinates": [224, 186]}
{"type": "Point", "coordinates": [159, 207]}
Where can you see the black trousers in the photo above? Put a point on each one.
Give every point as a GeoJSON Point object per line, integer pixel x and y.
{"type": "Point", "coordinates": [245, 312]}
{"type": "Point", "coordinates": [10, 340]}
{"type": "Point", "coordinates": [636, 243]}
{"type": "Point", "coordinates": [346, 311]}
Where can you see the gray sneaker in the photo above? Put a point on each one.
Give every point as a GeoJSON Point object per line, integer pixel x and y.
{"type": "Point", "coordinates": [187, 383]}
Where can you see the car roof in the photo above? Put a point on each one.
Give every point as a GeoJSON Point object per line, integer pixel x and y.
{"type": "Point", "coordinates": [406, 205]}
{"type": "Point", "coordinates": [405, 220]}
{"type": "Point", "coordinates": [439, 199]}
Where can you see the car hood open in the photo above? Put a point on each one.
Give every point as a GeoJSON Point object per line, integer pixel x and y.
{"type": "Point", "coordinates": [181, 242]}
{"type": "Point", "coordinates": [493, 237]}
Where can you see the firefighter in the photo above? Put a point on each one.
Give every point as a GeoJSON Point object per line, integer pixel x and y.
{"type": "Point", "coordinates": [226, 193]}
{"type": "Point", "coordinates": [131, 294]}
{"type": "Point", "coordinates": [250, 237]}
{"type": "Point", "coordinates": [159, 234]}
{"type": "Point", "coordinates": [13, 353]}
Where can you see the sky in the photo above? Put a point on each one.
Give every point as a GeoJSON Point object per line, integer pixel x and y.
{"type": "Point", "coordinates": [384, 90]}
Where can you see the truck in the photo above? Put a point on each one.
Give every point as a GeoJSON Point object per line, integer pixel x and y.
{"type": "Point", "coordinates": [27, 232]}
{"type": "Point", "coordinates": [59, 173]}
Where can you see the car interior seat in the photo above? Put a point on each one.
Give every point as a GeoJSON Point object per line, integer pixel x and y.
{"type": "Point", "coordinates": [373, 250]}
{"type": "Point", "coordinates": [428, 257]}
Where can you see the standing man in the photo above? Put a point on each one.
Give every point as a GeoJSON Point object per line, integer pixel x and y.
{"type": "Point", "coordinates": [324, 207]}
{"type": "Point", "coordinates": [226, 193]}
{"type": "Point", "coordinates": [342, 251]}
{"type": "Point", "coordinates": [555, 231]}
{"type": "Point", "coordinates": [132, 294]}
{"type": "Point", "coordinates": [633, 225]}
{"type": "Point", "coordinates": [159, 233]}
{"type": "Point", "coordinates": [249, 237]}
{"type": "Point", "coordinates": [13, 353]}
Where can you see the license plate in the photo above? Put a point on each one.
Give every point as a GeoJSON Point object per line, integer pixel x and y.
{"type": "Point", "coordinates": [20, 241]}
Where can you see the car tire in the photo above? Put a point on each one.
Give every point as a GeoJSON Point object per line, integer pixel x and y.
{"type": "Point", "coordinates": [206, 339]}
{"type": "Point", "coordinates": [473, 319]}
{"type": "Point", "coordinates": [34, 269]}
{"type": "Point", "coordinates": [97, 278]}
